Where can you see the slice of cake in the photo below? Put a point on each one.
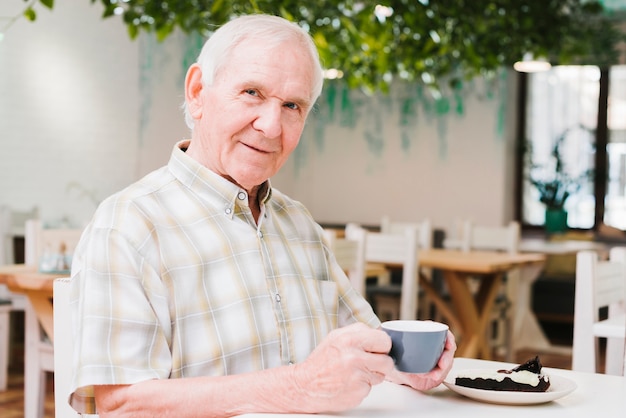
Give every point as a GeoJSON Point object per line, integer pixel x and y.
{"type": "Point", "coordinates": [526, 377]}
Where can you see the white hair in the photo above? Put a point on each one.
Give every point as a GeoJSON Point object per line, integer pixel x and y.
{"type": "Point", "coordinates": [272, 30]}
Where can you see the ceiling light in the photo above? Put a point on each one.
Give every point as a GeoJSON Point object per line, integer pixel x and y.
{"type": "Point", "coordinates": [333, 73]}
{"type": "Point", "coordinates": [530, 64]}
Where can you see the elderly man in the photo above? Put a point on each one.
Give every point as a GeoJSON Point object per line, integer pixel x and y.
{"type": "Point", "coordinates": [202, 291]}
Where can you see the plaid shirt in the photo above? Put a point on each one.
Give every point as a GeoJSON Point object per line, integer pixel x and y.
{"type": "Point", "coordinates": [173, 278]}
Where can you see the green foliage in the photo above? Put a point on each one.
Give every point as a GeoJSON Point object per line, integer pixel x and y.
{"type": "Point", "coordinates": [422, 40]}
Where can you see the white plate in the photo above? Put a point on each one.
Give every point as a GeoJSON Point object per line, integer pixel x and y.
{"type": "Point", "coordinates": [559, 387]}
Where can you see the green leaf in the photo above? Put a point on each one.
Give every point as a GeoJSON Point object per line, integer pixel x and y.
{"type": "Point", "coordinates": [48, 3]}
{"type": "Point", "coordinates": [30, 14]}
{"type": "Point", "coordinates": [133, 31]}
{"type": "Point", "coordinates": [421, 40]}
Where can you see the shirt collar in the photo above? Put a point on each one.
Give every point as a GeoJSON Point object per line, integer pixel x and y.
{"type": "Point", "coordinates": [206, 183]}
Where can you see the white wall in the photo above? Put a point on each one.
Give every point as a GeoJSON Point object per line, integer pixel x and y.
{"type": "Point", "coordinates": [458, 165]}
{"type": "Point", "coordinates": [70, 127]}
{"type": "Point", "coordinates": [82, 104]}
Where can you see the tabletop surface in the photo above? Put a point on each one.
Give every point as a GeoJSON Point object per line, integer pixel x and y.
{"type": "Point", "coordinates": [540, 245]}
{"type": "Point", "coordinates": [476, 261]}
{"type": "Point", "coordinates": [595, 395]}
{"type": "Point", "coordinates": [23, 277]}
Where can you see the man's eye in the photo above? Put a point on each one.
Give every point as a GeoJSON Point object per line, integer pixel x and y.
{"type": "Point", "coordinates": [292, 105]}
{"type": "Point", "coordinates": [251, 92]}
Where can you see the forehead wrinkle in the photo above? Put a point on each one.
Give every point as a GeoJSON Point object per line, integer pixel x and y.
{"type": "Point", "coordinates": [260, 73]}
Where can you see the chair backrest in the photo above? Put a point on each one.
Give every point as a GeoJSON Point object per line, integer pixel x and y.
{"type": "Point", "coordinates": [395, 249]}
{"type": "Point", "coordinates": [349, 253]}
{"type": "Point", "coordinates": [599, 284]}
{"type": "Point", "coordinates": [12, 224]}
{"type": "Point", "coordinates": [493, 238]}
{"type": "Point", "coordinates": [424, 230]}
{"type": "Point", "coordinates": [50, 248]}
{"type": "Point", "coordinates": [63, 349]}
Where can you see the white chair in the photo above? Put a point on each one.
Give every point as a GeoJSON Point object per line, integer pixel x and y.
{"type": "Point", "coordinates": [5, 313]}
{"type": "Point", "coordinates": [63, 349]}
{"type": "Point", "coordinates": [350, 255]}
{"type": "Point", "coordinates": [39, 356]}
{"type": "Point", "coordinates": [11, 225]}
{"type": "Point", "coordinates": [600, 284]}
{"type": "Point", "coordinates": [424, 231]}
{"type": "Point", "coordinates": [399, 250]}
{"type": "Point", "coordinates": [491, 238]}
{"type": "Point", "coordinates": [476, 237]}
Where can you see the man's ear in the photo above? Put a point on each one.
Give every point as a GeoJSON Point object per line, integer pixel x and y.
{"type": "Point", "coordinates": [193, 91]}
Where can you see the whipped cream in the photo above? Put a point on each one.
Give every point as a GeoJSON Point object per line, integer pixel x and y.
{"type": "Point", "coordinates": [523, 377]}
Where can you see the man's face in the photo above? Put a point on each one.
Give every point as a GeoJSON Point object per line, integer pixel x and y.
{"type": "Point", "coordinates": [251, 118]}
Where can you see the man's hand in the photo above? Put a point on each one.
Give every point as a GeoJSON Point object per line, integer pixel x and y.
{"type": "Point", "coordinates": [433, 378]}
{"type": "Point", "coordinates": [340, 372]}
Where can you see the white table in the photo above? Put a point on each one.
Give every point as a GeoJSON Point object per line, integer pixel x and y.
{"type": "Point", "coordinates": [527, 333]}
{"type": "Point", "coordinates": [541, 245]}
{"type": "Point", "coordinates": [596, 395]}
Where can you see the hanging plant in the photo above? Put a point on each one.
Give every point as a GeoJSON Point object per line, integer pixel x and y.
{"type": "Point", "coordinates": [374, 43]}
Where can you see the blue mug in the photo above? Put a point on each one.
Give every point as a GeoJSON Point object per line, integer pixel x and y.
{"type": "Point", "coordinates": [416, 346]}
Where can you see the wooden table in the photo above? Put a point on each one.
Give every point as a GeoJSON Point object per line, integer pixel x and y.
{"type": "Point", "coordinates": [39, 314]}
{"type": "Point", "coordinates": [595, 394]}
{"type": "Point", "coordinates": [469, 312]}
{"type": "Point", "coordinates": [527, 331]}
{"type": "Point", "coordinates": [37, 286]}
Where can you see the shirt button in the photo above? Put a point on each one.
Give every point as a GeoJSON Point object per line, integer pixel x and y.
{"type": "Point", "coordinates": [228, 211]}
{"type": "Point", "coordinates": [241, 196]}
{"type": "Point", "coordinates": [260, 234]}
{"type": "Point", "coordinates": [277, 297]}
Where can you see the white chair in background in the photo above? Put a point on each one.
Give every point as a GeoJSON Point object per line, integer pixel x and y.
{"type": "Point", "coordinates": [491, 238]}
{"type": "Point", "coordinates": [398, 250]}
{"type": "Point", "coordinates": [5, 323]}
{"type": "Point", "coordinates": [476, 237]}
{"type": "Point", "coordinates": [600, 284]}
{"type": "Point", "coordinates": [39, 356]}
{"type": "Point", "coordinates": [424, 231]}
{"type": "Point", "coordinates": [11, 225]}
{"type": "Point", "coordinates": [350, 255]}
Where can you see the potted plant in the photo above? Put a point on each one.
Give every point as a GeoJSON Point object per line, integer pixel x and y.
{"type": "Point", "coordinates": [556, 181]}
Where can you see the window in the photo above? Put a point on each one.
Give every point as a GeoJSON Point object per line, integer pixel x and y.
{"type": "Point", "coordinates": [585, 107]}
{"type": "Point", "coordinates": [615, 197]}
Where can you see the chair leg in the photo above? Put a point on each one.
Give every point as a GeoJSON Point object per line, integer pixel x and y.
{"type": "Point", "coordinates": [34, 388]}
{"type": "Point", "coordinates": [4, 346]}
{"type": "Point", "coordinates": [388, 307]}
{"type": "Point", "coordinates": [614, 356]}
{"type": "Point", "coordinates": [34, 375]}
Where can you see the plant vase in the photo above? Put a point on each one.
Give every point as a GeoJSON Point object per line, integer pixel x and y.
{"type": "Point", "coordinates": [556, 220]}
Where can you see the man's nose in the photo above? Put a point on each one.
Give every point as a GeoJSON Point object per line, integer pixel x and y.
{"type": "Point", "coordinates": [268, 120]}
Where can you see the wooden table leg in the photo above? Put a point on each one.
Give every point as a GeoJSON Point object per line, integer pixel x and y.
{"type": "Point", "coordinates": [42, 305]}
{"type": "Point", "coordinates": [485, 300]}
{"type": "Point", "coordinates": [442, 305]}
{"type": "Point", "coordinates": [472, 312]}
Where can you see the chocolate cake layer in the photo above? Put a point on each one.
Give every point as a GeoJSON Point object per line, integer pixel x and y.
{"type": "Point", "coordinates": [505, 384]}
{"type": "Point", "coordinates": [526, 377]}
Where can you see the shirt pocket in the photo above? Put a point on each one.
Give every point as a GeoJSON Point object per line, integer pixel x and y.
{"type": "Point", "coordinates": [313, 299]}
